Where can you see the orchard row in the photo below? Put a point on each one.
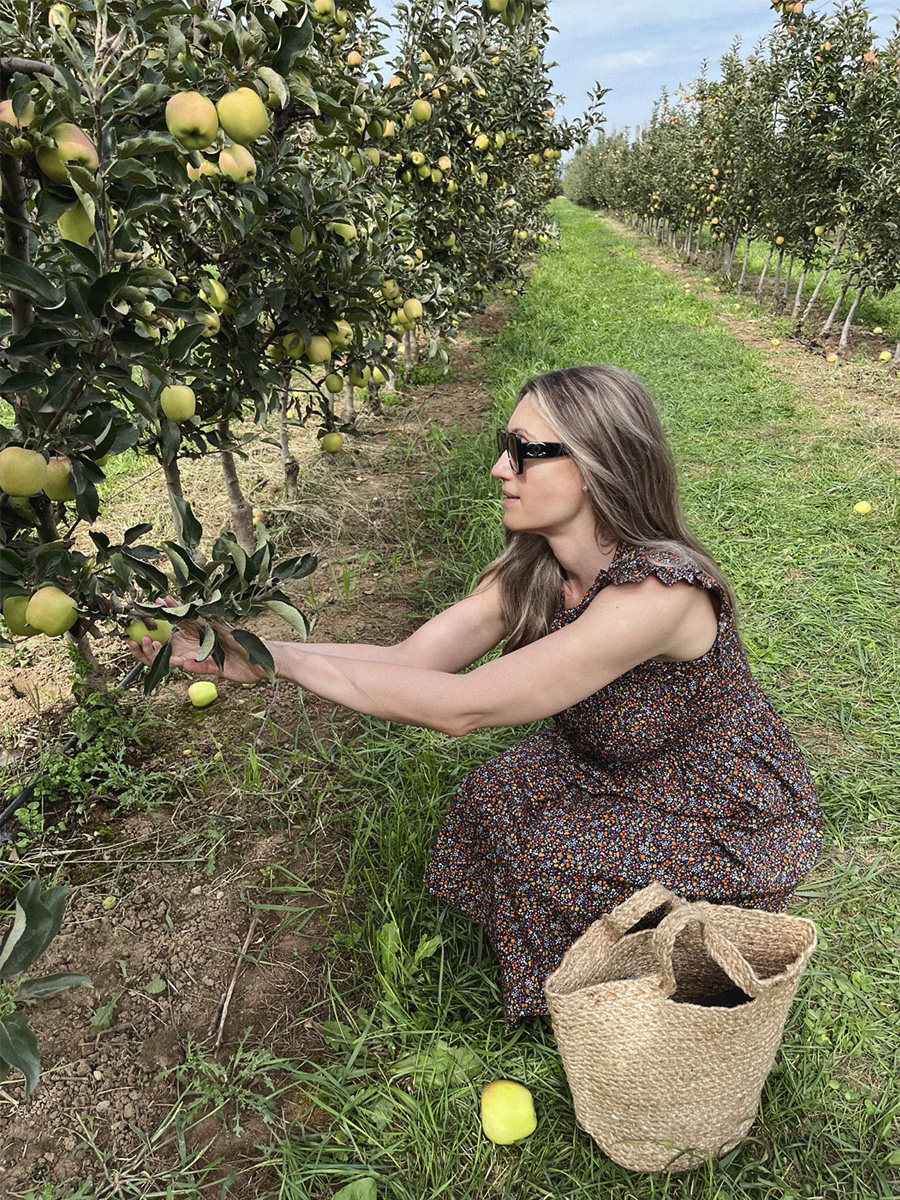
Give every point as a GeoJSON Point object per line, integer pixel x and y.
{"type": "Point", "coordinates": [796, 146]}
{"type": "Point", "coordinates": [219, 212]}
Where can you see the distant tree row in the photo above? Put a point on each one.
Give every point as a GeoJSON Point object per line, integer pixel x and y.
{"type": "Point", "coordinates": [796, 146]}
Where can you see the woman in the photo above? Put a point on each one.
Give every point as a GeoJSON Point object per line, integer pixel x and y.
{"type": "Point", "coordinates": [665, 762]}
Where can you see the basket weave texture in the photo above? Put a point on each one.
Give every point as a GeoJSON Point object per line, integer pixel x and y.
{"type": "Point", "coordinates": [661, 1080]}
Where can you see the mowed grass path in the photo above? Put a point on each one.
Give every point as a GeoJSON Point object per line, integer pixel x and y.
{"type": "Point", "coordinates": [769, 483]}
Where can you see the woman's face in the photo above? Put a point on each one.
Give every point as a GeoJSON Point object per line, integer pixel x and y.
{"type": "Point", "coordinates": [548, 497]}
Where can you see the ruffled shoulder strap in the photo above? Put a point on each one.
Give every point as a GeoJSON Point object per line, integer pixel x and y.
{"type": "Point", "coordinates": [634, 563]}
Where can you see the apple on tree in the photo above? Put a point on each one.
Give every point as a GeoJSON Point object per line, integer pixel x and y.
{"type": "Point", "coordinates": [51, 611]}
{"type": "Point", "coordinates": [178, 402]}
{"type": "Point", "coordinates": [59, 480]}
{"type": "Point", "coordinates": [76, 226]}
{"type": "Point", "coordinates": [14, 615]}
{"type": "Point", "coordinates": [73, 147]}
{"type": "Point", "coordinates": [243, 115]}
{"type": "Point", "coordinates": [158, 630]}
{"type": "Point", "coordinates": [22, 472]}
{"type": "Point", "coordinates": [191, 119]}
{"type": "Point", "coordinates": [237, 164]}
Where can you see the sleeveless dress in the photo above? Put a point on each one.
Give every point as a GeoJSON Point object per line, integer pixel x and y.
{"type": "Point", "coordinates": [680, 772]}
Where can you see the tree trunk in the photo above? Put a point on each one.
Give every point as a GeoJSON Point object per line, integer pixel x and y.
{"type": "Point", "coordinates": [826, 328]}
{"type": "Point", "coordinates": [787, 281]}
{"type": "Point", "coordinates": [799, 295]}
{"type": "Point", "coordinates": [290, 464]}
{"type": "Point", "coordinates": [410, 349]}
{"type": "Point", "coordinates": [241, 511]}
{"type": "Point", "coordinates": [776, 290]}
{"type": "Point", "coordinates": [686, 248]}
{"type": "Point", "coordinates": [828, 269]}
{"type": "Point", "coordinates": [729, 258]}
{"type": "Point", "coordinates": [349, 401]}
{"type": "Point", "coordinates": [762, 278]}
{"type": "Point", "coordinates": [845, 332]}
{"type": "Point", "coordinates": [895, 361]}
{"type": "Point", "coordinates": [744, 267]}
{"type": "Point", "coordinates": [15, 236]}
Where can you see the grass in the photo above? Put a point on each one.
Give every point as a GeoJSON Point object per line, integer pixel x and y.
{"type": "Point", "coordinates": [769, 484]}
{"type": "Point", "coordinates": [770, 487]}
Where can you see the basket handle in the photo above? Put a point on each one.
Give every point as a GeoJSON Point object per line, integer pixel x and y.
{"type": "Point", "coordinates": [620, 919]}
{"type": "Point", "coordinates": [720, 949]}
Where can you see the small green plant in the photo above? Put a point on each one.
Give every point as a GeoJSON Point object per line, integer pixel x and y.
{"type": "Point", "coordinates": [36, 921]}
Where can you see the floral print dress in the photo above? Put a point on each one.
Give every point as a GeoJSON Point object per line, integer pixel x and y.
{"type": "Point", "coordinates": [680, 772]}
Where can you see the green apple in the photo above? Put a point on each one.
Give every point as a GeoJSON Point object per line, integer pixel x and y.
{"type": "Point", "coordinates": [22, 472]}
{"type": "Point", "coordinates": [344, 229]}
{"type": "Point", "coordinates": [421, 111]}
{"type": "Point", "coordinates": [334, 383]}
{"type": "Point", "coordinates": [373, 154]}
{"type": "Point", "coordinates": [323, 10]}
{"type": "Point", "coordinates": [202, 693]}
{"type": "Point", "coordinates": [294, 345]}
{"type": "Point", "coordinates": [8, 116]}
{"type": "Point", "coordinates": [191, 119]}
{"type": "Point", "coordinates": [238, 164]}
{"type": "Point", "coordinates": [178, 402]}
{"type": "Point", "coordinates": [139, 629]}
{"type": "Point", "coordinates": [214, 293]}
{"type": "Point", "coordinates": [332, 443]}
{"type": "Point", "coordinates": [300, 238]}
{"type": "Point", "coordinates": [206, 169]}
{"type": "Point", "coordinates": [59, 480]}
{"type": "Point", "coordinates": [319, 349]}
{"type": "Point", "coordinates": [507, 1112]}
{"type": "Point", "coordinates": [76, 226]}
{"type": "Point", "coordinates": [412, 310]}
{"type": "Point", "coordinates": [342, 336]}
{"type": "Point", "coordinates": [51, 611]}
{"type": "Point", "coordinates": [354, 59]}
{"type": "Point", "coordinates": [243, 115]}
{"type": "Point", "coordinates": [211, 323]}
{"type": "Point", "coordinates": [445, 162]}
{"type": "Point", "coordinates": [73, 148]}
{"type": "Point", "coordinates": [14, 615]}
{"type": "Point", "coordinates": [60, 17]}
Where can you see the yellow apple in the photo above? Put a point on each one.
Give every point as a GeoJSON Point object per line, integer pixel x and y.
{"type": "Point", "coordinates": [412, 310]}
{"type": "Point", "coordinates": [507, 1112]}
{"type": "Point", "coordinates": [344, 229]}
{"type": "Point", "coordinates": [191, 119]}
{"type": "Point", "coordinates": [14, 615]}
{"type": "Point", "coordinates": [885, 356]}
{"type": "Point", "coordinates": [76, 226]}
{"type": "Point", "coordinates": [482, 142]}
{"type": "Point", "coordinates": [22, 472]}
{"type": "Point", "coordinates": [178, 402]}
{"type": "Point", "coordinates": [863, 507]}
{"type": "Point", "coordinates": [60, 17]}
{"type": "Point", "coordinates": [73, 147]}
{"type": "Point", "coordinates": [206, 169]}
{"type": "Point", "coordinates": [238, 164]}
{"type": "Point", "coordinates": [243, 115]}
{"type": "Point", "coordinates": [139, 629]}
{"type": "Point", "coordinates": [202, 693]}
{"type": "Point", "coordinates": [421, 111]}
{"type": "Point", "coordinates": [332, 443]}
{"type": "Point", "coordinates": [213, 293]}
{"type": "Point", "coordinates": [58, 486]}
{"type": "Point", "coordinates": [323, 10]}
{"type": "Point", "coordinates": [211, 323]}
{"type": "Point", "coordinates": [445, 162]}
{"type": "Point", "coordinates": [51, 611]}
{"type": "Point", "coordinates": [354, 59]}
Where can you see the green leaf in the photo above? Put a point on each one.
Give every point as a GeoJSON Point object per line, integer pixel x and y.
{"type": "Point", "coordinates": [389, 946]}
{"type": "Point", "coordinates": [50, 985]}
{"type": "Point", "coordinates": [158, 669]}
{"type": "Point", "coordinates": [257, 651]}
{"type": "Point", "coordinates": [295, 568]}
{"type": "Point", "coordinates": [155, 987]}
{"type": "Point", "coordinates": [145, 143]}
{"type": "Point", "coordinates": [287, 612]}
{"type": "Point", "coordinates": [190, 526]}
{"type": "Point", "coordinates": [102, 1018]}
{"type": "Point", "coordinates": [27, 281]}
{"type": "Point", "coordinates": [359, 1189]}
{"type": "Point", "coordinates": [36, 922]}
{"type": "Point", "coordinates": [19, 1048]}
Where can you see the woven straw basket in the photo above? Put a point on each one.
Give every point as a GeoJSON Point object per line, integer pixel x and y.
{"type": "Point", "coordinates": [660, 1079]}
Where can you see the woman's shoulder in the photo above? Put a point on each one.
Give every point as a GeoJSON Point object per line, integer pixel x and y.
{"type": "Point", "coordinates": [633, 564]}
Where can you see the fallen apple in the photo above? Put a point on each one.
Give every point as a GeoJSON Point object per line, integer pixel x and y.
{"type": "Point", "coordinates": [507, 1112]}
{"type": "Point", "coordinates": [863, 507]}
{"type": "Point", "coordinates": [202, 693]}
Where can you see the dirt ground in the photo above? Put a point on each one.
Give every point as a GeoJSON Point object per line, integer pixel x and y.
{"type": "Point", "coordinates": [162, 914]}
{"type": "Point", "coordinates": [166, 911]}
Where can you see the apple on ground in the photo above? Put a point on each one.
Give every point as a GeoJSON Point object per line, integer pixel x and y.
{"type": "Point", "coordinates": [59, 480]}
{"type": "Point", "coordinates": [22, 472]}
{"type": "Point", "coordinates": [14, 615]}
{"type": "Point", "coordinates": [178, 402]}
{"type": "Point", "coordinates": [51, 611]}
{"type": "Point", "coordinates": [73, 147]}
{"type": "Point", "coordinates": [507, 1112]}
{"type": "Point", "coordinates": [202, 693]}
{"type": "Point", "coordinates": [243, 115]}
{"type": "Point", "coordinates": [863, 507]}
{"type": "Point", "coordinates": [160, 632]}
{"type": "Point", "coordinates": [191, 119]}
{"type": "Point", "coordinates": [884, 356]}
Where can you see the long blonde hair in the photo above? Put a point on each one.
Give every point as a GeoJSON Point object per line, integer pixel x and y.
{"type": "Point", "coordinates": [607, 421]}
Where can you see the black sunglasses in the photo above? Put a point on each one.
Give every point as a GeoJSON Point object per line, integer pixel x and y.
{"type": "Point", "coordinates": [518, 451]}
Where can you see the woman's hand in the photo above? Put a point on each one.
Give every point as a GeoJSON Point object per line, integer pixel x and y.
{"type": "Point", "coordinates": [185, 644]}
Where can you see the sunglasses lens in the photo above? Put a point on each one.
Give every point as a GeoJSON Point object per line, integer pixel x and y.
{"type": "Point", "coordinates": [506, 444]}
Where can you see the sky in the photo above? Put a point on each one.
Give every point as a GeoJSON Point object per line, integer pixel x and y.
{"type": "Point", "coordinates": [637, 47]}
